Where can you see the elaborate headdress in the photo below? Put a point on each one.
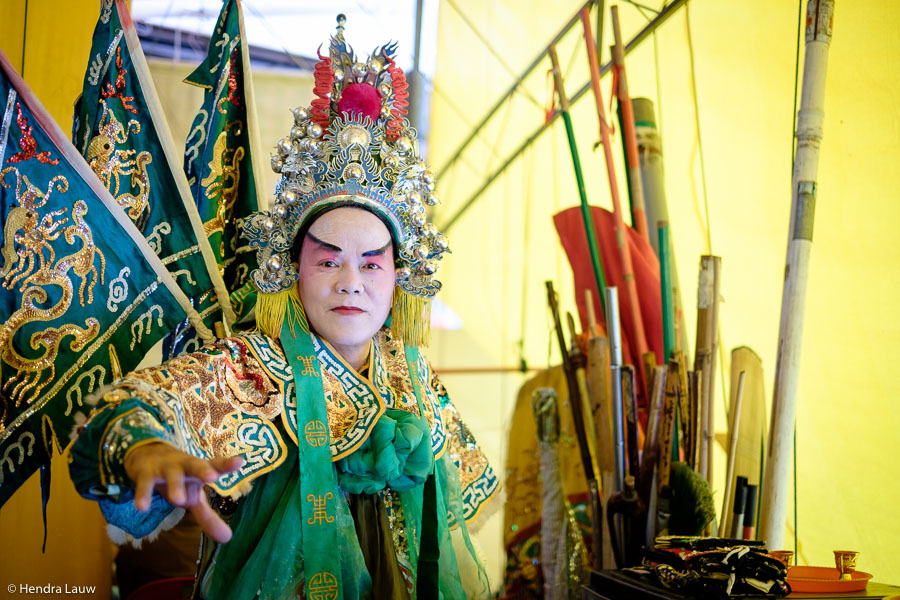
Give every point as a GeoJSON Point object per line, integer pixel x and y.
{"type": "Point", "coordinates": [353, 145]}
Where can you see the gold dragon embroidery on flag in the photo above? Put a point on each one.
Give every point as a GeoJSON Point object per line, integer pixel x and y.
{"type": "Point", "coordinates": [221, 185]}
{"type": "Point", "coordinates": [112, 165]}
{"type": "Point", "coordinates": [30, 264]}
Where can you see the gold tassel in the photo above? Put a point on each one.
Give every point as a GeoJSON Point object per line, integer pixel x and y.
{"type": "Point", "coordinates": [272, 308]}
{"type": "Point", "coordinates": [411, 318]}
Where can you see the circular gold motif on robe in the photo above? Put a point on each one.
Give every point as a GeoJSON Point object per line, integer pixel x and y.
{"type": "Point", "coordinates": [315, 433]}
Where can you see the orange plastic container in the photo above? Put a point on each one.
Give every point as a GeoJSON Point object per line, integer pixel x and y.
{"type": "Point", "coordinates": [825, 579]}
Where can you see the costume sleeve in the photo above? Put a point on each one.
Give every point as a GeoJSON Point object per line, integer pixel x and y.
{"type": "Point", "coordinates": [478, 483]}
{"type": "Point", "coordinates": [220, 401]}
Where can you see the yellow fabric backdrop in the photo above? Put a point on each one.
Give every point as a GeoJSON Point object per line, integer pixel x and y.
{"type": "Point", "coordinates": [847, 433]}
{"type": "Point", "coordinates": [504, 247]}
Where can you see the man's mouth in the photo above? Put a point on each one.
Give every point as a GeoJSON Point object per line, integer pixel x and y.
{"type": "Point", "coordinates": [347, 310]}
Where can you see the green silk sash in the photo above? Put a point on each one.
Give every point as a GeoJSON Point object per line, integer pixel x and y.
{"type": "Point", "coordinates": [318, 486]}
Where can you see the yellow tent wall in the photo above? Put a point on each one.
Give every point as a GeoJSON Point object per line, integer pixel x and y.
{"type": "Point", "coordinates": [744, 55]}
{"type": "Point", "coordinates": [504, 247]}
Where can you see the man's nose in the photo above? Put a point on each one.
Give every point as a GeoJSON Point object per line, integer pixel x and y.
{"type": "Point", "coordinates": [349, 280]}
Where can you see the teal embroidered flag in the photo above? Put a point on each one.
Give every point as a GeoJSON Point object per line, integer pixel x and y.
{"type": "Point", "coordinates": [120, 128]}
{"type": "Point", "coordinates": [218, 161]}
{"type": "Point", "coordinates": [82, 295]}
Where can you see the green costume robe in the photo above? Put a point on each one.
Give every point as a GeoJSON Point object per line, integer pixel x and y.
{"type": "Point", "coordinates": [388, 432]}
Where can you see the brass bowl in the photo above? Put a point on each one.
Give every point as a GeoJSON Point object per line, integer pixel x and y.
{"type": "Point", "coordinates": [785, 556]}
{"type": "Point", "coordinates": [845, 561]}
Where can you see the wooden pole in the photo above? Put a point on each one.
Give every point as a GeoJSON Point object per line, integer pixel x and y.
{"type": "Point", "coordinates": [621, 244]}
{"type": "Point", "coordinates": [598, 385]}
{"type": "Point", "coordinates": [705, 355]}
{"type": "Point", "coordinates": [589, 229]}
{"type": "Point", "coordinates": [732, 454]}
{"type": "Point", "coordinates": [635, 186]}
{"type": "Point", "coordinates": [819, 15]}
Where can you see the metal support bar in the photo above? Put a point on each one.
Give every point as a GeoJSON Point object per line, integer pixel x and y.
{"type": "Point", "coordinates": [511, 91]}
{"type": "Point", "coordinates": [667, 12]}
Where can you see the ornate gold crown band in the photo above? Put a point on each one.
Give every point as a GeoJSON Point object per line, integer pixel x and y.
{"type": "Point", "coordinates": [353, 145]}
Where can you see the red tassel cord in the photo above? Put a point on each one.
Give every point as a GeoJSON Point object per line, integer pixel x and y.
{"type": "Point", "coordinates": [398, 110]}
{"type": "Point", "coordinates": [324, 76]}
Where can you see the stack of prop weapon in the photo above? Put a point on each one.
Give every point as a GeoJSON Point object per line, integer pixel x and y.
{"type": "Point", "coordinates": [646, 430]}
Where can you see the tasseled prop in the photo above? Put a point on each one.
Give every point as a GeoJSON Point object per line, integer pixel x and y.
{"type": "Point", "coordinates": [272, 308]}
{"type": "Point", "coordinates": [411, 318]}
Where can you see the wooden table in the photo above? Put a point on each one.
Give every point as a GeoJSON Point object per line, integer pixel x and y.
{"type": "Point", "coordinates": [617, 585]}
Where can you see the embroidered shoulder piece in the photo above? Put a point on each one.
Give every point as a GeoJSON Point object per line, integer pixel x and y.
{"type": "Point", "coordinates": [220, 401]}
{"type": "Point", "coordinates": [477, 480]}
{"type": "Point", "coordinates": [391, 376]}
{"type": "Point", "coordinates": [352, 402]}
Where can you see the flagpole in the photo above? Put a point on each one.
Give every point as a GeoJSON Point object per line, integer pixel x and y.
{"type": "Point", "coordinates": [635, 186]}
{"type": "Point", "coordinates": [589, 229]}
{"type": "Point", "coordinates": [819, 16]}
{"type": "Point", "coordinates": [621, 245]}
{"type": "Point", "coordinates": [142, 71]}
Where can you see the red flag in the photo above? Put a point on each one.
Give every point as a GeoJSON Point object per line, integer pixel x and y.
{"type": "Point", "coordinates": [570, 228]}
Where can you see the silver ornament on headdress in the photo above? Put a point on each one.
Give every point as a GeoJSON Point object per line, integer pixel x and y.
{"type": "Point", "coordinates": [352, 161]}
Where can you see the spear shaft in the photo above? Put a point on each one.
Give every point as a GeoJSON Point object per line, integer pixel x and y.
{"type": "Point", "coordinates": [635, 186]}
{"type": "Point", "coordinates": [621, 244]}
{"type": "Point", "coordinates": [596, 261]}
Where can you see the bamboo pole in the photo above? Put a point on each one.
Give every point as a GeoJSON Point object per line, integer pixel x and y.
{"type": "Point", "coordinates": [635, 186]}
{"type": "Point", "coordinates": [649, 467]}
{"type": "Point", "coordinates": [695, 383]}
{"type": "Point", "coordinates": [589, 229]}
{"type": "Point", "coordinates": [705, 355]}
{"type": "Point", "coordinates": [621, 243]}
{"type": "Point", "coordinates": [593, 326]}
{"type": "Point", "coordinates": [819, 15]}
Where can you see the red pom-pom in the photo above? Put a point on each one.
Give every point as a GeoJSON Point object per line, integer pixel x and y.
{"type": "Point", "coordinates": [360, 98]}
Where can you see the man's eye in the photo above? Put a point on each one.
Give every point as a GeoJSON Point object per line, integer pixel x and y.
{"type": "Point", "coordinates": [372, 266]}
{"type": "Point", "coordinates": [327, 263]}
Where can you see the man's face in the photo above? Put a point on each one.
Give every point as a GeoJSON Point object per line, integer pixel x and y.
{"type": "Point", "coordinates": [347, 279]}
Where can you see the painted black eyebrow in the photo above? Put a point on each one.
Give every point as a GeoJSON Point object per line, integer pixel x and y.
{"type": "Point", "coordinates": [324, 244]}
{"type": "Point", "coordinates": [379, 251]}
{"type": "Point", "coordinates": [376, 252]}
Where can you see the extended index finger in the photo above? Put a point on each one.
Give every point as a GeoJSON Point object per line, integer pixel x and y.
{"type": "Point", "coordinates": [210, 522]}
{"type": "Point", "coordinates": [208, 471]}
